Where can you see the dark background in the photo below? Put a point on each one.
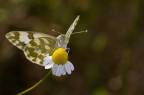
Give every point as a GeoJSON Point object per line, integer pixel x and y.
{"type": "Point", "coordinates": [108, 60]}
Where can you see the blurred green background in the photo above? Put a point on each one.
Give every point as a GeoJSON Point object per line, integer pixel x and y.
{"type": "Point", "coordinates": [108, 60]}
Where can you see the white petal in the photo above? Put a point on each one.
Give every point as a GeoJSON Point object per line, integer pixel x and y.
{"type": "Point", "coordinates": [47, 60]}
{"type": "Point", "coordinates": [71, 65]}
{"type": "Point", "coordinates": [47, 57]}
{"type": "Point", "coordinates": [59, 70]}
{"type": "Point", "coordinates": [48, 66]}
{"type": "Point", "coordinates": [68, 68]}
{"type": "Point", "coordinates": [64, 73]}
{"type": "Point", "coordinates": [64, 70]}
{"type": "Point", "coordinates": [54, 68]}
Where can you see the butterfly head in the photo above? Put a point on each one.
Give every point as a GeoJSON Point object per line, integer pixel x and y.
{"type": "Point", "coordinates": [61, 41]}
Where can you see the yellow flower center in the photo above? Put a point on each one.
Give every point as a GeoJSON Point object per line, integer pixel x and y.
{"type": "Point", "coordinates": [60, 56]}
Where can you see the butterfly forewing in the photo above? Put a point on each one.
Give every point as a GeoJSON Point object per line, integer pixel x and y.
{"type": "Point", "coordinates": [21, 38]}
{"type": "Point", "coordinates": [71, 28]}
{"type": "Point", "coordinates": [38, 48]}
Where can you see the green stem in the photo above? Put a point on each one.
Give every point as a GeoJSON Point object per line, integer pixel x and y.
{"type": "Point", "coordinates": [34, 86]}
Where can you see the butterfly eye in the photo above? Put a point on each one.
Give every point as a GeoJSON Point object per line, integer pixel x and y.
{"type": "Point", "coordinates": [68, 49]}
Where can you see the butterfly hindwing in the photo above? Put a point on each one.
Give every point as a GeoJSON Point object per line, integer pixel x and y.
{"type": "Point", "coordinates": [38, 48]}
{"type": "Point", "coordinates": [21, 38]}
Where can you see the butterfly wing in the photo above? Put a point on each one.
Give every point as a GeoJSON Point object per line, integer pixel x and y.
{"type": "Point", "coordinates": [71, 28]}
{"type": "Point", "coordinates": [37, 49]}
{"type": "Point", "coordinates": [35, 45]}
{"type": "Point", "coordinates": [21, 38]}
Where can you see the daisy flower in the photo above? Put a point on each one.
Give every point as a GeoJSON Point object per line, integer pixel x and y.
{"type": "Point", "coordinates": [58, 62]}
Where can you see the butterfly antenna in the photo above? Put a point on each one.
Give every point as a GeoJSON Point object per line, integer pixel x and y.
{"type": "Point", "coordinates": [80, 32]}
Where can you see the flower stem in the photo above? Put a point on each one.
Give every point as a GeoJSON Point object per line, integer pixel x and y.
{"type": "Point", "coordinates": [34, 86]}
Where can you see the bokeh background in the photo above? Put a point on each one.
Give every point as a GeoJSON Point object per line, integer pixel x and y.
{"type": "Point", "coordinates": [108, 60]}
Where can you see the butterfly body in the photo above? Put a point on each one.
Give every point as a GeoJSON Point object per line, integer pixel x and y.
{"type": "Point", "coordinates": [61, 41]}
{"type": "Point", "coordinates": [36, 46]}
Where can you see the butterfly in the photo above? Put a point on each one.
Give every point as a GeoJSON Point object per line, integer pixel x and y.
{"type": "Point", "coordinates": [37, 45]}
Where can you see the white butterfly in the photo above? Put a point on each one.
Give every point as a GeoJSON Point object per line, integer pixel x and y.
{"type": "Point", "coordinates": [37, 45]}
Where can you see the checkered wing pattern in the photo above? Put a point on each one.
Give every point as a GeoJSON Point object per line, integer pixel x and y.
{"type": "Point", "coordinates": [35, 45]}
